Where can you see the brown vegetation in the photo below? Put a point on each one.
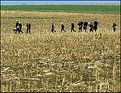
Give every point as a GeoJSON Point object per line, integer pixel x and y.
{"type": "Point", "coordinates": [45, 61]}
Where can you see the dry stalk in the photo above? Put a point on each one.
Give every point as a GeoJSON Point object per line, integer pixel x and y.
{"type": "Point", "coordinates": [96, 89]}
{"type": "Point", "coordinates": [7, 88]}
{"type": "Point", "coordinates": [47, 87]}
{"type": "Point", "coordinates": [71, 77]}
{"type": "Point", "coordinates": [29, 84]}
{"type": "Point", "coordinates": [96, 74]}
{"type": "Point", "coordinates": [63, 79]}
{"type": "Point", "coordinates": [114, 71]}
{"type": "Point", "coordinates": [19, 85]}
{"type": "Point", "coordinates": [3, 88]}
{"type": "Point", "coordinates": [89, 87]}
{"type": "Point", "coordinates": [10, 87]}
{"type": "Point", "coordinates": [56, 82]}
{"type": "Point", "coordinates": [25, 73]}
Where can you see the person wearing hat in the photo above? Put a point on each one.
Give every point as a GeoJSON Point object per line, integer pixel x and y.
{"type": "Point", "coordinates": [80, 24]}
{"type": "Point", "coordinates": [28, 26]}
{"type": "Point", "coordinates": [72, 27]}
{"type": "Point", "coordinates": [95, 25]}
{"type": "Point", "coordinates": [20, 27]}
{"type": "Point", "coordinates": [62, 27]}
{"type": "Point", "coordinates": [17, 23]}
{"type": "Point", "coordinates": [91, 27]}
{"type": "Point", "coordinates": [85, 25]}
{"type": "Point", "coordinates": [16, 29]}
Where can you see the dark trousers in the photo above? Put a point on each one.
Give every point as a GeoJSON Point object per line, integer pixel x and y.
{"type": "Point", "coordinates": [85, 28]}
{"type": "Point", "coordinates": [80, 28]}
{"type": "Point", "coordinates": [72, 29]}
{"type": "Point", "coordinates": [28, 30]}
{"type": "Point", "coordinates": [20, 31]}
{"type": "Point", "coordinates": [91, 29]}
{"type": "Point", "coordinates": [95, 28]}
{"type": "Point", "coordinates": [62, 30]}
{"type": "Point", "coordinates": [53, 30]}
{"type": "Point", "coordinates": [114, 29]}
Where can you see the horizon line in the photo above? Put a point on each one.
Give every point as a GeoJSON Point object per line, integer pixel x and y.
{"type": "Point", "coordinates": [58, 2]}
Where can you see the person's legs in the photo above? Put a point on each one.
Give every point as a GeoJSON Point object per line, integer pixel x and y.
{"type": "Point", "coordinates": [61, 30]}
{"type": "Point", "coordinates": [71, 30]}
{"type": "Point", "coordinates": [81, 28]}
{"type": "Point", "coordinates": [74, 30]}
{"type": "Point", "coordinates": [19, 30]}
{"type": "Point", "coordinates": [29, 30]}
{"type": "Point", "coordinates": [52, 30]}
{"type": "Point", "coordinates": [114, 29]}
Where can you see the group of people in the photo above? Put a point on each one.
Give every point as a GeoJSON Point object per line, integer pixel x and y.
{"type": "Point", "coordinates": [83, 25]}
{"type": "Point", "coordinates": [18, 27]}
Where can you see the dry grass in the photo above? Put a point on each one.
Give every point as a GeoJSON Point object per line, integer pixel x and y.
{"type": "Point", "coordinates": [45, 61]}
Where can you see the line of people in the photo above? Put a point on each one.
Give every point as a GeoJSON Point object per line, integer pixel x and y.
{"type": "Point", "coordinates": [82, 25]}
{"type": "Point", "coordinates": [18, 27]}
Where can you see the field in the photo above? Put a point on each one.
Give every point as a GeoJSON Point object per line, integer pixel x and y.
{"type": "Point", "coordinates": [110, 9]}
{"type": "Point", "coordinates": [59, 62]}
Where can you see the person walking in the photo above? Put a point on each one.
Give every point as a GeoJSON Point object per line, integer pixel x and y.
{"type": "Point", "coordinates": [85, 25]}
{"type": "Point", "coordinates": [91, 27]}
{"type": "Point", "coordinates": [114, 27]}
{"type": "Point", "coordinates": [80, 24]}
{"type": "Point", "coordinates": [28, 26]}
{"type": "Point", "coordinates": [20, 27]}
{"type": "Point", "coordinates": [72, 27]}
{"type": "Point", "coordinates": [17, 23]}
{"type": "Point", "coordinates": [95, 25]}
{"type": "Point", "coordinates": [53, 28]}
{"type": "Point", "coordinates": [62, 27]}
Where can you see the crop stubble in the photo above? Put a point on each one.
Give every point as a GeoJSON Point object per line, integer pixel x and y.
{"type": "Point", "coordinates": [45, 61]}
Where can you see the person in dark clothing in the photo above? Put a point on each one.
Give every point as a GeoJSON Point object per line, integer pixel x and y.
{"type": "Point", "coordinates": [114, 27]}
{"type": "Point", "coordinates": [52, 30]}
{"type": "Point", "coordinates": [16, 29]}
{"type": "Point", "coordinates": [62, 27]}
{"type": "Point", "coordinates": [28, 25]}
{"type": "Point", "coordinates": [72, 27]}
{"type": "Point", "coordinates": [80, 24]}
{"type": "Point", "coordinates": [20, 27]}
{"type": "Point", "coordinates": [17, 23]}
{"type": "Point", "coordinates": [91, 27]}
{"type": "Point", "coordinates": [95, 25]}
{"type": "Point", "coordinates": [85, 25]}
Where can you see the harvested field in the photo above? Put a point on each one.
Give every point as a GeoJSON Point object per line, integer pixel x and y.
{"type": "Point", "coordinates": [59, 62]}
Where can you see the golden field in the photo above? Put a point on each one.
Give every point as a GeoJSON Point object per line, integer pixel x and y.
{"type": "Point", "coordinates": [59, 62]}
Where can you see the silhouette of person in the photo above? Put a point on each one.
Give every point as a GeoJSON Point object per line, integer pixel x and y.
{"type": "Point", "coordinates": [114, 27]}
{"type": "Point", "coordinates": [80, 24]}
{"type": "Point", "coordinates": [52, 30]}
{"type": "Point", "coordinates": [62, 27]}
{"type": "Point", "coordinates": [95, 25]}
{"type": "Point", "coordinates": [17, 23]}
{"type": "Point", "coordinates": [20, 27]}
{"type": "Point", "coordinates": [28, 26]}
{"type": "Point", "coordinates": [91, 27]}
{"type": "Point", "coordinates": [72, 27]}
{"type": "Point", "coordinates": [85, 25]}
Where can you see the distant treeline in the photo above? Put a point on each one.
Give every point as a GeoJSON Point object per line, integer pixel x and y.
{"type": "Point", "coordinates": [105, 9]}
